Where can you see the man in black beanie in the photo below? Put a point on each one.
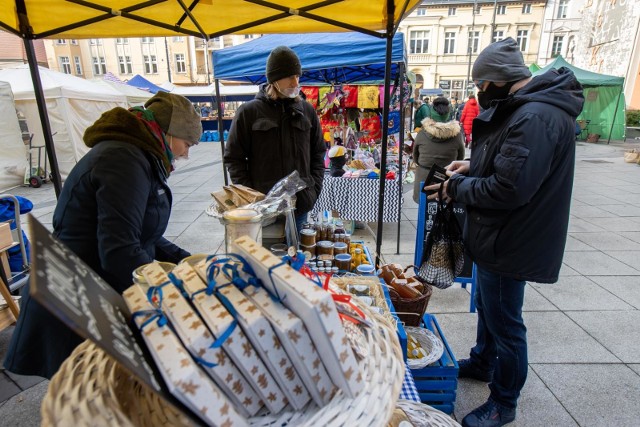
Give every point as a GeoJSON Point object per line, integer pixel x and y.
{"type": "Point", "coordinates": [517, 190]}
{"type": "Point", "coordinates": [276, 133]}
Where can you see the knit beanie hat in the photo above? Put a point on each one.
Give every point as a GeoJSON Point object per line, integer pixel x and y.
{"type": "Point", "coordinates": [501, 61]}
{"type": "Point", "coordinates": [282, 62]}
{"type": "Point", "coordinates": [176, 115]}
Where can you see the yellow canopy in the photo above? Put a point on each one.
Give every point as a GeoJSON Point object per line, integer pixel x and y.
{"type": "Point", "coordinates": [77, 19]}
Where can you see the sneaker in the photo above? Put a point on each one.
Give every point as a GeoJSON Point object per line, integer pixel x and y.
{"type": "Point", "coordinates": [491, 414]}
{"type": "Point", "coordinates": [468, 369]}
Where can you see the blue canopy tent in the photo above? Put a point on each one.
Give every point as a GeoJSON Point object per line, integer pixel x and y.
{"type": "Point", "coordinates": [328, 58]}
{"type": "Point", "coordinates": [144, 84]}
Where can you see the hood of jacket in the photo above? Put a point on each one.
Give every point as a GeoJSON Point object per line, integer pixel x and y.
{"type": "Point", "coordinates": [559, 88]}
{"type": "Point", "coordinates": [440, 131]}
{"type": "Point", "coordinates": [472, 101]}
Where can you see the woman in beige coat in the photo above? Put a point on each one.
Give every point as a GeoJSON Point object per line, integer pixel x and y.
{"type": "Point", "coordinates": [440, 141]}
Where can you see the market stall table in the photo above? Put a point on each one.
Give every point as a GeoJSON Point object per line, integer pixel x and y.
{"type": "Point", "coordinates": [357, 199]}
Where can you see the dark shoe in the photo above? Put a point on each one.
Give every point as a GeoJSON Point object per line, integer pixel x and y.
{"type": "Point", "coordinates": [468, 369]}
{"type": "Point", "coordinates": [491, 414]}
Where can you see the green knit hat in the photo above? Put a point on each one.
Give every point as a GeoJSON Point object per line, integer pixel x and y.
{"type": "Point", "coordinates": [176, 115]}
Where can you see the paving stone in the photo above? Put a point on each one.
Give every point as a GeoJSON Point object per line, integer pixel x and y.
{"type": "Point", "coordinates": [622, 210]}
{"type": "Point", "coordinates": [618, 224]}
{"type": "Point", "coordinates": [594, 394]}
{"type": "Point", "coordinates": [607, 240]}
{"type": "Point", "coordinates": [535, 301]}
{"type": "Point", "coordinates": [575, 245]}
{"type": "Point", "coordinates": [555, 338]}
{"type": "Point", "coordinates": [174, 229]}
{"type": "Point", "coordinates": [24, 381]}
{"type": "Point", "coordinates": [580, 293]}
{"type": "Point", "coordinates": [631, 258]}
{"type": "Point", "coordinates": [596, 200]}
{"type": "Point", "coordinates": [597, 263]}
{"type": "Point", "coordinates": [624, 287]}
{"type": "Point", "coordinates": [635, 367]}
{"type": "Point", "coordinates": [633, 235]}
{"type": "Point", "coordinates": [8, 388]}
{"type": "Point", "coordinates": [617, 330]}
{"type": "Point", "coordinates": [23, 409]}
{"type": "Point", "coordinates": [587, 211]}
{"type": "Point", "coordinates": [184, 215]}
{"type": "Point", "coordinates": [565, 270]}
{"type": "Point", "coordinates": [452, 300]}
{"type": "Point", "coordinates": [577, 225]}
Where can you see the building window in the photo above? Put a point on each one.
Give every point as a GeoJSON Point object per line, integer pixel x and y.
{"type": "Point", "coordinates": [474, 41]}
{"type": "Point", "coordinates": [61, 41]}
{"type": "Point", "coordinates": [181, 66]}
{"type": "Point", "coordinates": [478, 9]}
{"type": "Point", "coordinates": [246, 36]}
{"type": "Point", "coordinates": [125, 64]}
{"type": "Point", "coordinates": [178, 39]}
{"type": "Point", "coordinates": [449, 42]}
{"type": "Point", "coordinates": [556, 47]}
{"type": "Point", "coordinates": [148, 40]}
{"type": "Point", "coordinates": [523, 39]}
{"type": "Point", "coordinates": [150, 64]}
{"type": "Point", "coordinates": [419, 41]}
{"type": "Point", "coordinates": [563, 6]}
{"type": "Point", "coordinates": [421, 12]}
{"type": "Point", "coordinates": [526, 8]}
{"type": "Point", "coordinates": [122, 41]}
{"type": "Point", "coordinates": [99, 65]}
{"type": "Point", "coordinates": [497, 36]}
{"type": "Point", "coordinates": [452, 11]}
{"type": "Point", "coordinates": [78, 65]}
{"type": "Point", "coordinates": [95, 42]}
{"type": "Point", "coordinates": [501, 9]}
{"type": "Point", "coordinates": [65, 65]}
{"type": "Point", "coordinates": [74, 42]}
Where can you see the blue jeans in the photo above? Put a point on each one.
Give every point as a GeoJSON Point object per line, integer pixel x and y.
{"type": "Point", "coordinates": [501, 342]}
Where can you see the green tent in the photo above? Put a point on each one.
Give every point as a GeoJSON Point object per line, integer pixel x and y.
{"type": "Point", "coordinates": [604, 102]}
{"type": "Point", "coordinates": [534, 67]}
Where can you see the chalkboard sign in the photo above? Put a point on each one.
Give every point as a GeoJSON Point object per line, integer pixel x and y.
{"type": "Point", "coordinates": [76, 295]}
{"type": "Point", "coordinates": [461, 214]}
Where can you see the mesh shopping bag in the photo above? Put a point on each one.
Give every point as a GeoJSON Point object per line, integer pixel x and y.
{"type": "Point", "coordinates": [443, 256]}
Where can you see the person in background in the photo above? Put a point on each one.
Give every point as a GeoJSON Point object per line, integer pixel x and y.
{"type": "Point", "coordinates": [112, 212]}
{"type": "Point", "coordinates": [469, 113]}
{"type": "Point", "coordinates": [459, 110]}
{"type": "Point", "coordinates": [277, 133]}
{"type": "Point", "coordinates": [422, 112]}
{"type": "Point", "coordinates": [439, 141]}
{"type": "Point", "coordinates": [517, 192]}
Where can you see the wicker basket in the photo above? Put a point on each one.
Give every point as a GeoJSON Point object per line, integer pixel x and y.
{"type": "Point", "coordinates": [91, 389]}
{"type": "Point", "coordinates": [411, 310]}
{"type": "Point", "coordinates": [422, 415]}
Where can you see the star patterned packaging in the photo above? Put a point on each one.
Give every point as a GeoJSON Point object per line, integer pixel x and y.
{"type": "Point", "coordinates": [237, 346]}
{"type": "Point", "coordinates": [198, 339]}
{"type": "Point", "coordinates": [266, 343]}
{"type": "Point", "coordinates": [183, 377]}
{"type": "Point", "coordinates": [314, 306]}
{"type": "Point", "coordinates": [297, 343]}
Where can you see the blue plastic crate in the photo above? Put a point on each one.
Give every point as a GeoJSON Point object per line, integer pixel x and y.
{"type": "Point", "coordinates": [437, 383]}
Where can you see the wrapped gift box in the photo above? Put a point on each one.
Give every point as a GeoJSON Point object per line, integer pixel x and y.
{"type": "Point", "coordinates": [314, 306]}
{"type": "Point", "coordinates": [198, 339]}
{"type": "Point", "coordinates": [237, 346]}
{"type": "Point", "coordinates": [185, 380]}
{"type": "Point", "coordinates": [264, 340]}
{"type": "Point", "coordinates": [297, 343]}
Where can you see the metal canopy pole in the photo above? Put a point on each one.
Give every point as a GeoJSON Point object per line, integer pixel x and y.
{"type": "Point", "coordinates": [27, 35]}
{"type": "Point", "coordinates": [385, 125]}
{"type": "Point", "coordinates": [400, 151]}
{"type": "Point", "coordinates": [221, 130]}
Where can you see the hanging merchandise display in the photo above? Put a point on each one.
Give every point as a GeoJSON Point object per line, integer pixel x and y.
{"type": "Point", "coordinates": [350, 96]}
{"type": "Point", "coordinates": [311, 94]}
{"type": "Point", "coordinates": [368, 97]}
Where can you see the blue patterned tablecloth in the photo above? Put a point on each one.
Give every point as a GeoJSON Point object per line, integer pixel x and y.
{"type": "Point", "coordinates": [409, 390]}
{"type": "Point", "coordinates": [357, 198]}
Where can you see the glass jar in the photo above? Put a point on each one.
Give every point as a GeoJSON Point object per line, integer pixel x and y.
{"type": "Point", "coordinates": [343, 262]}
{"type": "Point", "coordinates": [324, 247]}
{"type": "Point", "coordinates": [308, 237]}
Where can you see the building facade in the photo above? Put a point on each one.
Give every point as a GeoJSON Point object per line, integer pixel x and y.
{"type": "Point", "coordinates": [561, 31]}
{"type": "Point", "coordinates": [180, 60]}
{"type": "Point", "coordinates": [12, 51]}
{"type": "Point", "coordinates": [444, 37]}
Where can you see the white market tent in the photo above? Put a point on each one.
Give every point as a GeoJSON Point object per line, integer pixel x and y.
{"type": "Point", "coordinates": [13, 160]}
{"type": "Point", "coordinates": [208, 93]}
{"type": "Point", "coordinates": [135, 96]}
{"type": "Point", "coordinates": [73, 104]}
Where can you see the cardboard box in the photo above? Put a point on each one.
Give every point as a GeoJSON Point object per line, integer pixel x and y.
{"type": "Point", "coordinates": [297, 343]}
{"type": "Point", "coordinates": [198, 340]}
{"type": "Point", "coordinates": [185, 380]}
{"type": "Point", "coordinates": [314, 306]}
{"type": "Point", "coordinates": [237, 346]}
{"type": "Point", "coordinates": [266, 343]}
{"type": "Point", "coordinates": [6, 239]}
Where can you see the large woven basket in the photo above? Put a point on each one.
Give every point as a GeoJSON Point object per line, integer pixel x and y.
{"type": "Point", "coordinates": [91, 389]}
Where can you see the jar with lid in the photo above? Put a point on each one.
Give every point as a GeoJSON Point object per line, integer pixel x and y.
{"type": "Point", "coordinates": [324, 247]}
{"type": "Point", "coordinates": [340, 227]}
{"type": "Point", "coordinates": [347, 239]}
{"type": "Point", "coordinates": [308, 237]}
{"type": "Point", "coordinates": [321, 270]}
{"type": "Point", "coordinates": [330, 232]}
{"type": "Point", "coordinates": [358, 257]}
{"type": "Point", "coordinates": [340, 248]}
{"type": "Point", "coordinates": [335, 270]}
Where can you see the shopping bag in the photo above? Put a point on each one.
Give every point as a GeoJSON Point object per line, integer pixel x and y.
{"type": "Point", "coordinates": [631, 156]}
{"type": "Point", "coordinates": [443, 256]}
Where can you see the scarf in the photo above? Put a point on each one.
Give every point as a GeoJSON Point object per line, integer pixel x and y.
{"type": "Point", "coordinates": [135, 126]}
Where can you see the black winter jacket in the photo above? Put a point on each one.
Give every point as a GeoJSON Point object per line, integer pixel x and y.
{"type": "Point", "coordinates": [518, 191]}
{"type": "Point", "coordinates": [270, 139]}
{"type": "Point", "coordinates": [112, 212]}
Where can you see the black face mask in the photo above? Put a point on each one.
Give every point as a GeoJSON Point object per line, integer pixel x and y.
{"type": "Point", "coordinates": [492, 93]}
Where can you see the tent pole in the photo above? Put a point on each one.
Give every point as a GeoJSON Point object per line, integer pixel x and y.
{"type": "Point", "coordinates": [613, 121]}
{"type": "Point", "coordinates": [400, 150]}
{"type": "Point", "coordinates": [44, 117]}
{"type": "Point", "coordinates": [221, 130]}
{"type": "Point", "coordinates": [385, 124]}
